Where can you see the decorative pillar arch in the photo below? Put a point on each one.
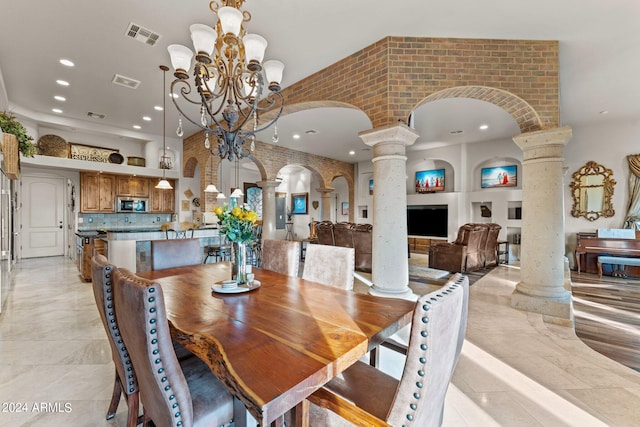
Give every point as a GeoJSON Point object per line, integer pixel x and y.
{"type": "Point", "coordinates": [523, 113]}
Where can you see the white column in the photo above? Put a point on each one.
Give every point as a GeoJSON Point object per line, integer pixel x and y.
{"type": "Point", "coordinates": [390, 264]}
{"type": "Point", "coordinates": [268, 208]}
{"type": "Point", "coordinates": [541, 288]}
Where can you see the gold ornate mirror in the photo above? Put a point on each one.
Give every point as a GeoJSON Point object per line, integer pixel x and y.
{"type": "Point", "coordinates": [592, 189]}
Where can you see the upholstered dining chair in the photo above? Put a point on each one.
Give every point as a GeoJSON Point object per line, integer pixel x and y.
{"type": "Point", "coordinates": [399, 341]}
{"type": "Point", "coordinates": [175, 253]}
{"type": "Point", "coordinates": [281, 256]}
{"type": "Point", "coordinates": [364, 395]}
{"type": "Point", "coordinates": [171, 394]}
{"type": "Point", "coordinates": [125, 378]}
{"type": "Point", "coordinates": [329, 265]}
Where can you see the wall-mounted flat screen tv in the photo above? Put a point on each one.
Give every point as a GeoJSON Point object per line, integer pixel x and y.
{"type": "Point", "coordinates": [427, 220]}
{"type": "Point", "coordinates": [499, 176]}
{"type": "Point", "coordinates": [430, 181]}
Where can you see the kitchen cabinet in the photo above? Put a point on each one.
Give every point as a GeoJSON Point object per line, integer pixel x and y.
{"type": "Point", "coordinates": [97, 192]}
{"type": "Point", "coordinates": [132, 186]}
{"type": "Point", "coordinates": [162, 200]}
{"type": "Point", "coordinates": [86, 248]}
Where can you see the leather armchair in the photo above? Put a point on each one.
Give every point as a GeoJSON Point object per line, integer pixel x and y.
{"type": "Point", "coordinates": [363, 243]}
{"type": "Point", "coordinates": [324, 231]}
{"type": "Point", "coordinates": [462, 255]}
{"type": "Point", "coordinates": [491, 245]}
{"type": "Point", "coordinates": [343, 234]}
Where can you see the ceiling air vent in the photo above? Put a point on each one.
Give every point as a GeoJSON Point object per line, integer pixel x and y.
{"type": "Point", "coordinates": [95, 115]}
{"type": "Point", "coordinates": [125, 81]}
{"type": "Point", "coordinates": [142, 34]}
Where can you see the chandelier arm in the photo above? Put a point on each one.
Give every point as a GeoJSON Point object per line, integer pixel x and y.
{"type": "Point", "coordinates": [272, 121]}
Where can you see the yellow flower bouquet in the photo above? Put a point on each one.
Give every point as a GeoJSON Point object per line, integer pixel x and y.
{"type": "Point", "coordinates": [237, 223]}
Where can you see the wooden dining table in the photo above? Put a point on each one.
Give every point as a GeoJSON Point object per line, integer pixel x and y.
{"type": "Point", "coordinates": [276, 344]}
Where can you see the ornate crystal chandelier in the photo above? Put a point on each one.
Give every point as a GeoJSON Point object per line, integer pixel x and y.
{"type": "Point", "coordinates": [227, 81]}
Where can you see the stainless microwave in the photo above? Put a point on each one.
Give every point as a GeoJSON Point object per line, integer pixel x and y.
{"type": "Point", "coordinates": [127, 204]}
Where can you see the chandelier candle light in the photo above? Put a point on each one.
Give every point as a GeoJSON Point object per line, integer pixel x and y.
{"type": "Point", "coordinates": [229, 81]}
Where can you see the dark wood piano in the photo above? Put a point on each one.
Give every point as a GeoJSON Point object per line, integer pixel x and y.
{"type": "Point", "coordinates": [589, 246]}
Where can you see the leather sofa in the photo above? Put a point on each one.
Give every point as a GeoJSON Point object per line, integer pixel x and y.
{"type": "Point", "coordinates": [349, 235]}
{"type": "Point", "coordinates": [474, 248]}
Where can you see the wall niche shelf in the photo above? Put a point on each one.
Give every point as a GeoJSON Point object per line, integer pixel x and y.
{"type": "Point", "coordinates": [514, 210]}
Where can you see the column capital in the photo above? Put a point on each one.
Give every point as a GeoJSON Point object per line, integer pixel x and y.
{"type": "Point", "coordinates": [543, 143]}
{"type": "Point", "coordinates": [326, 190]}
{"type": "Point", "coordinates": [397, 133]}
{"type": "Point", "coordinates": [267, 184]}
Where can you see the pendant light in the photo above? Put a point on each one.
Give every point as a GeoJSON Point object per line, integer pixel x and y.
{"type": "Point", "coordinates": [164, 184]}
{"type": "Point", "coordinates": [237, 193]}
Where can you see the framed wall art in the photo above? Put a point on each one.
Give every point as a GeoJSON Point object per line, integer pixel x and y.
{"type": "Point", "coordinates": [299, 203]}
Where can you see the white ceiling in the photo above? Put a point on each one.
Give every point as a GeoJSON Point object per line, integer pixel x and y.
{"type": "Point", "coordinates": [599, 60]}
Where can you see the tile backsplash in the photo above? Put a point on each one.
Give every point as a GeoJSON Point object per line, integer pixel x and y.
{"type": "Point", "coordinates": [122, 221]}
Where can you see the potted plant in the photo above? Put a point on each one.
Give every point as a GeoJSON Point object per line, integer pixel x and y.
{"type": "Point", "coordinates": [9, 124]}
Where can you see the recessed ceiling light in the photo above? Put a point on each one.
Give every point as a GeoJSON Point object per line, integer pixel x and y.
{"type": "Point", "coordinates": [62, 82]}
{"type": "Point", "coordinates": [137, 127]}
{"type": "Point", "coordinates": [67, 63]}
{"type": "Point", "coordinates": [604, 112]}
{"type": "Point", "coordinates": [351, 153]}
{"type": "Point", "coordinates": [311, 132]}
{"type": "Point", "coordinates": [296, 136]}
{"type": "Point", "coordinates": [158, 108]}
{"type": "Point", "coordinates": [456, 132]}
{"type": "Point", "coordinates": [484, 127]}
{"type": "Point", "coordinates": [59, 98]}
{"type": "Point", "coordinates": [56, 110]}
{"type": "Point", "coordinates": [146, 118]}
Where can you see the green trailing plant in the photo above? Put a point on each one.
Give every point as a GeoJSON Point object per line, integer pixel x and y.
{"type": "Point", "coordinates": [9, 124]}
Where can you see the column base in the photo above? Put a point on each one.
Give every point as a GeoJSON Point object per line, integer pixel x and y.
{"type": "Point", "coordinates": [404, 293]}
{"type": "Point", "coordinates": [557, 311]}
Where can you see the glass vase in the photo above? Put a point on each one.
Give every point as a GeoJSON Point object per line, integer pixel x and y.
{"type": "Point", "coordinates": [239, 257]}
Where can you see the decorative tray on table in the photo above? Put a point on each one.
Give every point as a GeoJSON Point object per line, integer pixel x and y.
{"type": "Point", "coordinates": [231, 287]}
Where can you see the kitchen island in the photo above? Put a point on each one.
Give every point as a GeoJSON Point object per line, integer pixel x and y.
{"type": "Point", "coordinates": [131, 247]}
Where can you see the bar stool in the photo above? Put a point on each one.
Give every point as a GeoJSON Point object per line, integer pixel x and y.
{"type": "Point", "coordinates": [220, 252]}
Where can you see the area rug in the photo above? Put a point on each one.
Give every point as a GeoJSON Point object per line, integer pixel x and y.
{"type": "Point", "coordinates": [427, 272]}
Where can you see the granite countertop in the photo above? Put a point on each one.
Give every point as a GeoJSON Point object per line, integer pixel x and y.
{"type": "Point", "coordinates": [88, 233]}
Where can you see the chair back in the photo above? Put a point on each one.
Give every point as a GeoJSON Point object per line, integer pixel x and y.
{"type": "Point", "coordinates": [282, 256]}
{"type": "Point", "coordinates": [343, 234]}
{"type": "Point", "coordinates": [175, 253]}
{"type": "Point", "coordinates": [329, 265]}
{"type": "Point", "coordinates": [324, 231]}
{"type": "Point", "coordinates": [102, 282]}
{"type": "Point", "coordinates": [144, 327]}
{"type": "Point", "coordinates": [363, 244]}
{"type": "Point", "coordinates": [179, 230]}
{"type": "Point", "coordinates": [437, 333]}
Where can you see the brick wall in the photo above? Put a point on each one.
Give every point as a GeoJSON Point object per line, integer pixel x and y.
{"type": "Point", "coordinates": [390, 78]}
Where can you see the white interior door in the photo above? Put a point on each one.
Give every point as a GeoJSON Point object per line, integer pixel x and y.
{"type": "Point", "coordinates": [42, 216]}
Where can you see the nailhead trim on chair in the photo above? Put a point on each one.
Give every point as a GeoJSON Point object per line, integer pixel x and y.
{"type": "Point", "coordinates": [155, 351]}
{"type": "Point", "coordinates": [424, 346]}
{"type": "Point", "coordinates": [131, 382]}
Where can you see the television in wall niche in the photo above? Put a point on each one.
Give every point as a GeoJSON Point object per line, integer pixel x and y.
{"type": "Point", "coordinates": [427, 220]}
{"type": "Point", "coordinates": [499, 176]}
{"type": "Point", "coordinates": [430, 181]}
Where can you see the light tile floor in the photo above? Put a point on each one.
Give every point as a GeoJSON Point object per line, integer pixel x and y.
{"type": "Point", "coordinates": [515, 370]}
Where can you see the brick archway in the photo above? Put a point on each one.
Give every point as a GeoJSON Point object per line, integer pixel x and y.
{"type": "Point", "coordinates": [524, 114]}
